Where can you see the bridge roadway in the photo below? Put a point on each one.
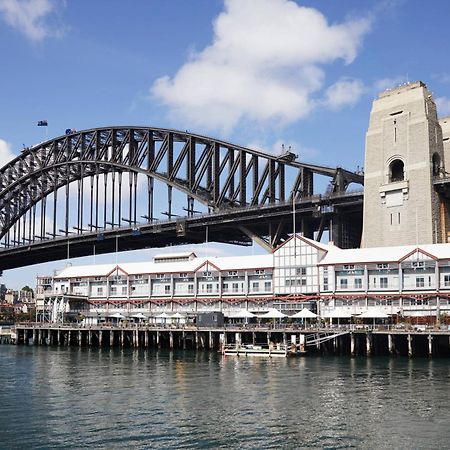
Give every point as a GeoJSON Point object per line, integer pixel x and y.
{"type": "Point", "coordinates": [234, 225]}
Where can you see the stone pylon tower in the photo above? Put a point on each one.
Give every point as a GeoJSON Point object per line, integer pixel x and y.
{"type": "Point", "coordinates": [404, 156]}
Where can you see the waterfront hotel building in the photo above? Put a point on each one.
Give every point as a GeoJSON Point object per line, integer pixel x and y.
{"type": "Point", "coordinates": [408, 281]}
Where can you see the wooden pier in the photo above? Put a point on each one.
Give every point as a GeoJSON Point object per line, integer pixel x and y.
{"type": "Point", "coordinates": [354, 342]}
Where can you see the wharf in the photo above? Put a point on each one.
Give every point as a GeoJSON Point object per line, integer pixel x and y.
{"type": "Point", "coordinates": [334, 341]}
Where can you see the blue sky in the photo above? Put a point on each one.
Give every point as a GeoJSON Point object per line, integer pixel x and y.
{"type": "Point", "coordinates": [255, 72]}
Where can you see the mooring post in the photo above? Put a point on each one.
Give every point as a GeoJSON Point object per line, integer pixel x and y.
{"type": "Point", "coordinates": [410, 347]}
{"type": "Point", "coordinates": [352, 345]}
{"type": "Point", "coordinates": [368, 344]}
{"type": "Point", "coordinates": [430, 345]}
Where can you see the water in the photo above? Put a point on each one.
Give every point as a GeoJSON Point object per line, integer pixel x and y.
{"type": "Point", "coordinates": [82, 398]}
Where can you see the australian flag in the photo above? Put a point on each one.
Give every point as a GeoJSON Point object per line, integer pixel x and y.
{"type": "Point", "coordinates": [42, 123]}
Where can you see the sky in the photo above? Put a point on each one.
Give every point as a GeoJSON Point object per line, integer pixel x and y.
{"type": "Point", "coordinates": [259, 73]}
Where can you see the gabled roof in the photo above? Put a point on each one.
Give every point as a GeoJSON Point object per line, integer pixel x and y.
{"type": "Point", "coordinates": [384, 254]}
{"type": "Point", "coordinates": [311, 242]}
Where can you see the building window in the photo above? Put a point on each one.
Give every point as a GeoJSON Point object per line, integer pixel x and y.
{"type": "Point", "coordinates": [383, 282]}
{"type": "Point", "coordinates": [232, 273]}
{"type": "Point", "coordinates": [344, 283]}
{"type": "Point", "coordinates": [301, 271]}
{"type": "Point", "coordinates": [235, 287]}
{"type": "Point", "coordinates": [100, 291]}
{"type": "Point", "coordinates": [160, 275]}
{"type": "Point", "coordinates": [124, 290]}
{"type": "Point", "coordinates": [358, 283]}
{"type": "Point", "coordinates": [206, 274]}
{"type": "Point", "coordinates": [183, 275]}
{"type": "Point", "coordinates": [325, 283]}
{"type": "Point", "coordinates": [225, 287]}
{"type": "Point", "coordinates": [255, 287]}
{"type": "Point", "coordinates": [113, 291]}
{"type": "Point", "coordinates": [209, 288]}
{"type": "Point", "coordinates": [303, 281]}
{"type": "Point", "coordinates": [349, 267]}
{"type": "Point", "coordinates": [167, 289]}
{"type": "Point", "coordinates": [396, 171]}
{"type": "Point", "coordinates": [267, 286]}
{"type": "Point", "coordinates": [190, 288]}
{"type": "Point", "coordinates": [447, 280]}
{"type": "Point", "coordinates": [383, 266]}
{"type": "Point", "coordinates": [418, 264]}
{"type": "Point", "coordinates": [420, 282]}
{"type": "Point", "coordinates": [260, 271]}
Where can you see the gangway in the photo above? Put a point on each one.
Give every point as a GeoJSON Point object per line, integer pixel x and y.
{"type": "Point", "coordinates": [318, 338]}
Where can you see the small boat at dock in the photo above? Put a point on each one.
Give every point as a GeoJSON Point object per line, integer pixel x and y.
{"type": "Point", "coordinates": [271, 350]}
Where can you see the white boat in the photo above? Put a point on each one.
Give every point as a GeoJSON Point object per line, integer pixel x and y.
{"type": "Point", "coordinates": [271, 350]}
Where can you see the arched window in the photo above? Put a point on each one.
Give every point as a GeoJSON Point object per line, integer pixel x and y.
{"type": "Point", "coordinates": [396, 171]}
{"type": "Point", "coordinates": [436, 164]}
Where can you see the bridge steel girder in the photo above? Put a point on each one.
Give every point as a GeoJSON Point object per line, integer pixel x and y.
{"type": "Point", "coordinates": [219, 175]}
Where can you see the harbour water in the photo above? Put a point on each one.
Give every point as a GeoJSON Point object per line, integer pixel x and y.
{"type": "Point", "coordinates": [58, 397]}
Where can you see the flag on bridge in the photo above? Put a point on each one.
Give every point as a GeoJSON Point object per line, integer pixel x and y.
{"type": "Point", "coordinates": [42, 123]}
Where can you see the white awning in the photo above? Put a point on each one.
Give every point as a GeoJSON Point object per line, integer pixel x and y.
{"type": "Point", "coordinates": [178, 315]}
{"type": "Point", "coordinates": [117, 316]}
{"type": "Point", "coordinates": [163, 316]}
{"type": "Point", "coordinates": [337, 315]}
{"type": "Point", "coordinates": [273, 314]}
{"type": "Point", "coordinates": [244, 314]}
{"type": "Point", "coordinates": [304, 314]}
{"type": "Point", "coordinates": [373, 314]}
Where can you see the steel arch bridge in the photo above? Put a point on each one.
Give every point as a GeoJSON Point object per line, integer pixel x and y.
{"type": "Point", "coordinates": [100, 190]}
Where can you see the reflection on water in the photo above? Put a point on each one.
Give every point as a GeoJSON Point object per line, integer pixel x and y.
{"type": "Point", "coordinates": [112, 398]}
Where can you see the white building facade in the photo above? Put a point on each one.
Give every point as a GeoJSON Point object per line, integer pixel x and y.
{"type": "Point", "coordinates": [399, 281]}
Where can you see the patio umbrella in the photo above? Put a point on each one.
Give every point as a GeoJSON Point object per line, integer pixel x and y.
{"type": "Point", "coordinates": [304, 314]}
{"type": "Point", "coordinates": [337, 315]}
{"type": "Point", "coordinates": [244, 314]}
{"type": "Point", "coordinates": [117, 316]}
{"type": "Point", "coordinates": [139, 315]}
{"type": "Point", "coordinates": [373, 314]}
{"type": "Point", "coordinates": [273, 314]}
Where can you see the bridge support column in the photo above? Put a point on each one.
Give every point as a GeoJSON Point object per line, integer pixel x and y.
{"type": "Point", "coordinates": [100, 338]}
{"type": "Point", "coordinates": [111, 337]}
{"type": "Point", "coordinates": [430, 345]}
{"type": "Point", "coordinates": [80, 338]}
{"type": "Point", "coordinates": [368, 344]}
{"type": "Point", "coordinates": [158, 339]}
{"type": "Point", "coordinates": [183, 338]}
{"type": "Point", "coordinates": [352, 345]}
{"type": "Point", "coordinates": [39, 337]}
{"type": "Point", "coordinates": [410, 347]}
{"type": "Point", "coordinates": [58, 337]}
{"type": "Point", "coordinates": [34, 337]}
{"type": "Point", "coordinates": [171, 340]}
{"type": "Point", "coordinates": [146, 338]}
{"type": "Point", "coordinates": [89, 338]}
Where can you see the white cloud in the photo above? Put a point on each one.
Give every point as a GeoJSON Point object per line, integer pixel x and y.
{"type": "Point", "coordinates": [30, 17]}
{"type": "Point", "coordinates": [345, 92]}
{"type": "Point", "coordinates": [5, 153]}
{"type": "Point", "coordinates": [264, 64]}
{"type": "Point", "coordinates": [443, 106]}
